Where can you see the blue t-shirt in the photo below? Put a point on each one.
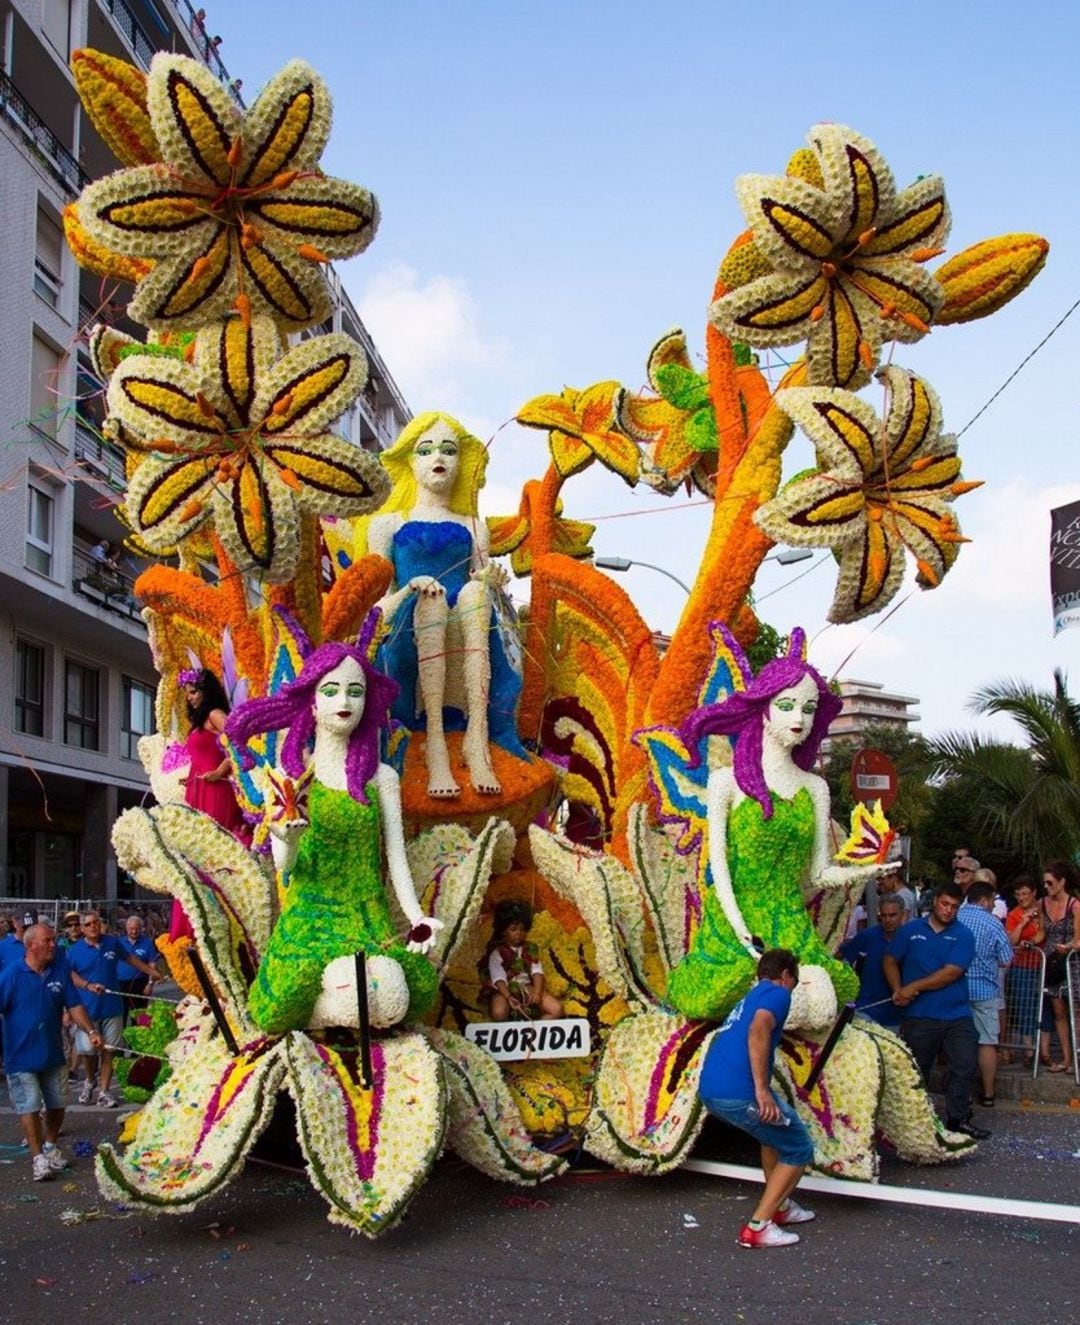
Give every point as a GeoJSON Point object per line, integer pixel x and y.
{"type": "Point", "coordinates": [144, 949]}
{"type": "Point", "coordinates": [864, 951]}
{"type": "Point", "coordinates": [33, 1007]}
{"type": "Point", "coordinates": [98, 965]}
{"type": "Point", "coordinates": [921, 951]}
{"type": "Point", "coordinates": [11, 951]}
{"type": "Point", "coordinates": [726, 1074]}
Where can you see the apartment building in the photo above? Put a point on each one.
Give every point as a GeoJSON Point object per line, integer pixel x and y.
{"type": "Point", "coordinates": [869, 704]}
{"type": "Point", "coordinates": [76, 679]}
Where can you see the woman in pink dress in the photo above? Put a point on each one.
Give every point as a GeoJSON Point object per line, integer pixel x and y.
{"type": "Point", "coordinates": [207, 786]}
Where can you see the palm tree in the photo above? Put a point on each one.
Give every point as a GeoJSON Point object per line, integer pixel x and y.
{"type": "Point", "coordinates": [1029, 795]}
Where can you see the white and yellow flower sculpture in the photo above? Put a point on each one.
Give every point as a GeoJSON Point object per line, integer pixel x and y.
{"type": "Point", "coordinates": [367, 1150]}
{"type": "Point", "coordinates": [645, 1115]}
{"type": "Point", "coordinates": [239, 437]}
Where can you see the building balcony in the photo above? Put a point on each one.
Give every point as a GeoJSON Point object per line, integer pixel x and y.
{"type": "Point", "coordinates": [110, 589]}
{"type": "Point", "coordinates": [40, 139]}
{"type": "Point", "coordinates": [99, 458]}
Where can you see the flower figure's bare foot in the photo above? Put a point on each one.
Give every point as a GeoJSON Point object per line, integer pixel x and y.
{"type": "Point", "coordinates": [481, 773]}
{"type": "Point", "coordinates": [441, 782]}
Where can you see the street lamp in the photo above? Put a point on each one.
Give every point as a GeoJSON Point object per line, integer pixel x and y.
{"type": "Point", "coordinates": [787, 557]}
{"type": "Point", "coordinates": [624, 564]}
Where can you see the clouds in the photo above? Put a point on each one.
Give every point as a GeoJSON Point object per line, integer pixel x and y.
{"type": "Point", "coordinates": [428, 330]}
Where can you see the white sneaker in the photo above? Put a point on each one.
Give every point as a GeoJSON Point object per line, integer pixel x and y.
{"type": "Point", "coordinates": [42, 1171]}
{"type": "Point", "coordinates": [55, 1157]}
{"type": "Point", "coordinates": [793, 1213]}
{"type": "Point", "coordinates": [766, 1236]}
{"type": "Point", "coordinates": [86, 1095]}
{"type": "Point", "coordinates": [105, 1100]}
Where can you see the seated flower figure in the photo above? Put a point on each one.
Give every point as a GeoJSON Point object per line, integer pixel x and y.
{"type": "Point", "coordinates": [768, 829]}
{"type": "Point", "coordinates": [332, 865]}
{"type": "Point", "coordinates": [444, 648]}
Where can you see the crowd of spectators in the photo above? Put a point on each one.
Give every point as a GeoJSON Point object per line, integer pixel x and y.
{"type": "Point", "coordinates": [64, 1000]}
{"type": "Point", "coordinates": [961, 974]}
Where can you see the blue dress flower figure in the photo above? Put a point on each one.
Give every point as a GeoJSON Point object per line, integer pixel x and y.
{"type": "Point", "coordinates": [444, 646]}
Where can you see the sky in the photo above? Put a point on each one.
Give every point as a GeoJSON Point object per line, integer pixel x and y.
{"type": "Point", "coordinates": [556, 186]}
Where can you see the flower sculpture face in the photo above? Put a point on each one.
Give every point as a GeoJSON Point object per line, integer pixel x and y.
{"type": "Point", "coordinates": [842, 250]}
{"type": "Point", "coordinates": [237, 212]}
{"type": "Point", "coordinates": [883, 487]}
{"type": "Point", "coordinates": [238, 436]}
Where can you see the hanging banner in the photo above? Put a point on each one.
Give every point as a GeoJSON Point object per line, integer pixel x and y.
{"type": "Point", "coordinates": [1065, 566]}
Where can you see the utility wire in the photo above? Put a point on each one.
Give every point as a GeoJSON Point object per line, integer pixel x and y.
{"type": "Point", "coordinates": [1057, 325]}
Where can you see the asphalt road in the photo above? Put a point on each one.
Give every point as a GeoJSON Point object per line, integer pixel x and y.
{"type": "Point", "coordinates": [592, 1248]}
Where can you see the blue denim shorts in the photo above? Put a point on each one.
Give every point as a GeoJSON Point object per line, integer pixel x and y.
{"type": "Point", "coordinates": [791, 1142]}
{"type": "Point", "coordinates": [31, 1091]}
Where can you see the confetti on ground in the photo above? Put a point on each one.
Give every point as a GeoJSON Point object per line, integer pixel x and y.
{"type": "Point", "coordinates": [83, 1149]}
{"type": "Point", "coordinates": [45, 1281]}
{"type": "Point", "coordinates": [140, 1276]}
{"type": "Point", "coordinates": [690, 1222]}
{"type": "Point", "coordinates": [524, 1203]}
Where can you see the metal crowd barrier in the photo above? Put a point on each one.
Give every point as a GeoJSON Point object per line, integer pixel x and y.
{"type": "Point", "coordinates": [1024, 980]}
{"type": "Point", "coordinates": [1072, 974]}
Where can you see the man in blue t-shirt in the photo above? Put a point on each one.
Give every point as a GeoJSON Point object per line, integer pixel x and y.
{"type": "Point", "coordinates": [94, 961]}
{"type": "Point", "coordinates": [133, 982]}
{"type": "Point", "coordinates": [866, 952]}
{"type": "Point", "coordinates": [734, 1086]}
{"type": "Point", "coordinates": [926, 968]}
{"type": "Point", "coordinates": [33, 996]}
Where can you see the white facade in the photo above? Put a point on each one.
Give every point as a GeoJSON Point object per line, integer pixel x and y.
{"type": "Point", "coordinates": [76, 679]}
{"type": "Point", "coordinates": [869, 704]}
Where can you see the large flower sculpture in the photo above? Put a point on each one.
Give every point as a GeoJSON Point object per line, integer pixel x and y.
{"type": "Point", "coordinates": [368, 1149]}
{"type": "Point", "coordinates": [836, 257]}
{"type": "Point", "coordinates": [236, 214]}
{"type": "Point", "coordinates": [883, 487]}
{"type": "Point", "coordinates": [239, 436]}
{"type": "Point", "coordinates": [645, 1113]}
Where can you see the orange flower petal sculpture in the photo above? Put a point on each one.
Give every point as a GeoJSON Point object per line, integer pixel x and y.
{"type": "Point", "coordinates": [583, 428]}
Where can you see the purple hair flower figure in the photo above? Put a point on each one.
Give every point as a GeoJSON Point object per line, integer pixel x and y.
{"type": "Point", "coordinates": [768, 831]}
{"type": "Point", "coordinates": [336, 901]}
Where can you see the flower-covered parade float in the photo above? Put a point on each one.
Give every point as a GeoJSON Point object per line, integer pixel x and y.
{"type": "Point", "coordinates": [409, 753]}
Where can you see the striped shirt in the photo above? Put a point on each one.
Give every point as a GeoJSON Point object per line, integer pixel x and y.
{"type": "Point", "coordinates": [992, 951]}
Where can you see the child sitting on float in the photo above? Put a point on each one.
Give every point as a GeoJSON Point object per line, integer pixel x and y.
{"type": "Point", "coordinates": [514, 978]}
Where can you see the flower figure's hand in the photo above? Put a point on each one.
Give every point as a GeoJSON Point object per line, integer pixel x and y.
{"type": "Point", "coordinates": [491, 574]}
{"type": "Point", "coordinates": [422, 934]}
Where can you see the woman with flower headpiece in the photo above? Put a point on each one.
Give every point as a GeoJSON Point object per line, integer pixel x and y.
{"type": "Point", "coordinates": [332, 864]}
{"type": "Point", "coordinates": [768, 830]}
{"type": "Point", "coordinates": [207, 784]}
{"type": "Point", "coordinates": [444, 647]}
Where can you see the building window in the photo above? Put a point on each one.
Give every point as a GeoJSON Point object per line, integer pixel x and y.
{"type": "Point", "coordinates": [44, 386]}
{"type": "Point", "coordinates": [56, 25]}
{"type": "Point", "coordinates": [138, 716]}
{"type": "Point", "coordinates": [81, 706]}
{"type": "Point", "coordinates": [29, 688]}
{"type": "Point", "coordinates": [48, 258]}
{"type": "Point", "coordinates": [40, 510]}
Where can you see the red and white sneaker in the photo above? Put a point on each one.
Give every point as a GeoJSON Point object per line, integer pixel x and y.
{"type": "Point", "coordinates": [769, 1235]}
{"type": "Point", "coordinates": [793, 1213]}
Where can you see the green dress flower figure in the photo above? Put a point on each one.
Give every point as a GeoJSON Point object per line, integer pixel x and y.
{"type": "Point", "coordinates": [332, 863]}
{"type": "Point", "coordinates": [768, 820]}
